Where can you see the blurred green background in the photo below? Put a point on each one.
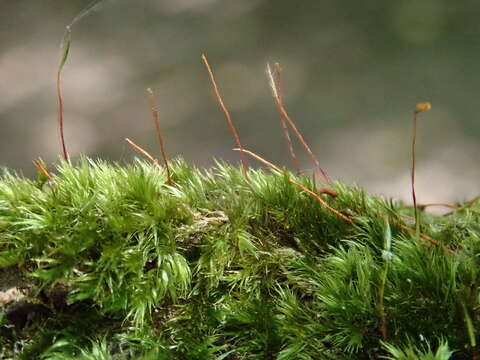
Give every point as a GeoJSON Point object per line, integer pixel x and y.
{"type": "Point", "coordinates": [353, 72]}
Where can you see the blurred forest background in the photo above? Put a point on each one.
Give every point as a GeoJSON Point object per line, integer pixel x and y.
{"type": "Point", "coordinates": [352, 70]}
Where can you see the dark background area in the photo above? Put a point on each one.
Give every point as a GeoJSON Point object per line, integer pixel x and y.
{"type": "Point", "coordinates": [353, 72]}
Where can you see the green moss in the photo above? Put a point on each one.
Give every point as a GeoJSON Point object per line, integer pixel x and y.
{"type": "Point", "coordinates": [122, 265]}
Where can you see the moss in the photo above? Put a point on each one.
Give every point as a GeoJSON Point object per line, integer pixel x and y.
{"type": "Point", "coordinates": [123, 265]}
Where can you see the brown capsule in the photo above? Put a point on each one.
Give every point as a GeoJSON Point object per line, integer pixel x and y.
{"type": "Point", "coordinates": [423, 106]}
